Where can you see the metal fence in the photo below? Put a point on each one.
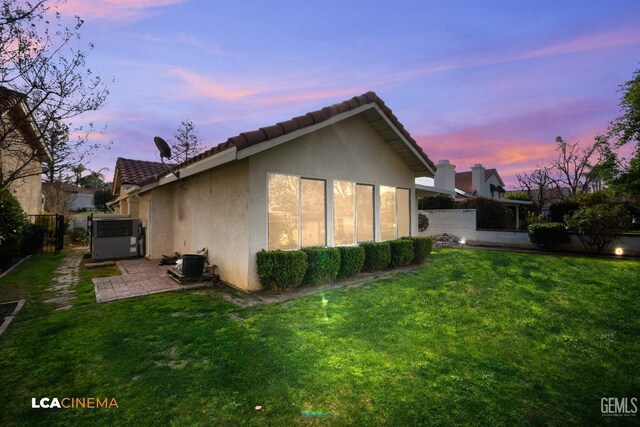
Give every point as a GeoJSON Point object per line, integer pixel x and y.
{"type": "Point", "coordinates": [53, 226]}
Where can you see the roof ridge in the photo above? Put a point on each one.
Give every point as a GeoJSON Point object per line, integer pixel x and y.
{"type": "Point", "coordinates": [246, 139]}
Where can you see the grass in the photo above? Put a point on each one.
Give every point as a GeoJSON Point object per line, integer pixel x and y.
{"type": "Point", "coordinates": [473, 337]}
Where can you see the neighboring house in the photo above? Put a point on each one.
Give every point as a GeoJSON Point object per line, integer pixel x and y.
{"type": "Point", "coordinates": [21, 151]}
{"type": "Point", "coordinates": [77, 198]}
{"type": "Point", "coordinates": [336, 176]}
{"type": "Point", "coordinates": [479, 182]}
{"type": "Point", "coordinates": [129, 174]}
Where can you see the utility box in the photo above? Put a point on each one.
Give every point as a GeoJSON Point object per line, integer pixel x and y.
{"type": "Point", "coordinates": [115, 238]}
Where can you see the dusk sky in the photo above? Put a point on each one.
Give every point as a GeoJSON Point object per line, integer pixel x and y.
{"type": "Point", "coordinates": [473, 82]}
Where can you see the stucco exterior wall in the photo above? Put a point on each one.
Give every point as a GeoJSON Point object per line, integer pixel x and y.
{"type": "Point", "coordinates": [28, 190]}
{"type": "Point", "coordinates": [349, 150]}
{"type": "Point", "coordinates": [209, 210]}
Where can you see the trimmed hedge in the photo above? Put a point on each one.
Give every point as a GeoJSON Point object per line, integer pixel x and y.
{"type": "Point", "coordinates": [421, 247]}
{"type": "Point", "coordinates": [324, 264]}
{"type": "Point", "coordinates": [548, 235]}
{"type": "Point", "coordinates": [401, 252]}
{"type": "Point", "coordinates": [351, 260]}
{"type": "Point", "coordinates": [281, 269]}
{"type": "Point", "coordinates": [436, 202]}
{"type": "Point", "coordinates": [377, 256]}
{"type": "Point", "coordinates": [489, 212]}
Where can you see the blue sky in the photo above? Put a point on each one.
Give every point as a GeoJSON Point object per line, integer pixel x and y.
{"type": "Point", "coordinates": [490, 82]}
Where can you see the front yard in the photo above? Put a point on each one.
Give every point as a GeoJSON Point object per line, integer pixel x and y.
{"type": "Point", "coordinates": [472, 337]}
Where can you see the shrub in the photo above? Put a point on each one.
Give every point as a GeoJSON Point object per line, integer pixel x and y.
{"type": "Point", "coordinates": [436, 202]}
{"type": "Point", "coordinates": [548, 235]}
{"type": "Point", "coordinates": [351, 260]}
{"type": "Point", "coordinates": [401, 252]}
{"type": "Point", "coordinates": [489, 212]}
{"type": "Point", "coordinates": [324, 264]}
{"type": "Point", "coordinates": [376, 256]}
{"type": "Point", "coordinates": [281, 269]}
{"type": "Point", "coordinates": [421, 247]}
{"type": "Point", "coordinates": [423, 222]}
{"type": "Point", "coordinates": [558, 210]}
{"type": "Point", "coordinates": [517, 195]}
{"type": "Point", "coordinates": [33, 238]}
{"type": "Point", "coordinates": [598, 226]}
{"type": "Point", "coordinates": [12, 223]}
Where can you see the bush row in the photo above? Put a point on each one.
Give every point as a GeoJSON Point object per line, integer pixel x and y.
{"type": "Point", "coordinates": [287, 269]}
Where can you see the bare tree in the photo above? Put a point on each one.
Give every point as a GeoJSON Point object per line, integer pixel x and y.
{"type": "Point", "coordinates": [186, 143]}
{"type": "Point", "coordinates": [56, 200]}
{"type": "Point", "coordinates": [537, 185]}
{"type": "Point", "coordinates": [43, 60]}
{"type": "Point", "coordinates": [572, 168]}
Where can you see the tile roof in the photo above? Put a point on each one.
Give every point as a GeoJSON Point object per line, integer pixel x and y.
{"type": "Point", "coordinates": [136, 172]}
{"type": "Point", "coordinates": [70, 188]}
{"type": "Point", "coordinates": [463, 180]}
{"type": "Point", "coordinates": [9, 98]}
{"type": "Point", "coordinates": [248, 139]}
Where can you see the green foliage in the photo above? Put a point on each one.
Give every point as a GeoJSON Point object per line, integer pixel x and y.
{"type": "Point", "coordinates": [100, 199]}
{"type": "Point", "coordinates": [421, 247]}
{"type": "Point", "coordinates": [423, 222]}
{"type": "Point", "coordinates": [33, 238]}
{"type": "Point", "coordinates": [377, 256]}
{"type": "Point", "coordinates": [401, 252]}
{"type": "Point", "coordinates": [517, 195]}
{"type": "Point", "coordinates": [489, 212]}
{"type": "Point", "coordinates": [351, 260]}
{"type": "Point", "coordinates": [559, 210]}
{"type": "Point", "coordinates": [436, 202]}
{"type": "Point", "coordinates": [324, 265]}
{"type": "Point", "coordinates": [281, 269]}
{"type": "Point", "coordinates": [597, 226]}
{"type": "Point", "coordinates": [548, 235]}
{"type": "Point", "coordinates": [12, 224]}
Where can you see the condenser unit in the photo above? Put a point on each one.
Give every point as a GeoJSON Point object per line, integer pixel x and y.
{"type": "Point", "coordinates": [115, 238]}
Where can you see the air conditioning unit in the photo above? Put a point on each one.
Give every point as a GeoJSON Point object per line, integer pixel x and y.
{"type": "Point", "coordinates": [115, 238]}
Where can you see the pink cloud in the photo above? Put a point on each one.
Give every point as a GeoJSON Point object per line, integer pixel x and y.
{"type": "Point", "coordinates": [204, 86]}
{"type": "Point", "coordinates": [114, 10]}
{"type": "Point", "coordinates": [589, 43]}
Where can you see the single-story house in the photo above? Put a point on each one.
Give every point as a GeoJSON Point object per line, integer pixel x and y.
{"type": "Point", "coordinates": [22, 151]}
{"type": "Point", "coordinates": [336, 176]}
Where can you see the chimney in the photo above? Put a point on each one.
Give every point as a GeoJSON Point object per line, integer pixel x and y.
{"type": "Point", "coordinates": [477, 180]}
{"type": "Point", "coordinates": [445, 177]}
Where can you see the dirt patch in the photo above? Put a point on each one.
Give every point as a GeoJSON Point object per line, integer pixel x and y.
{"type": "Point", "coordinates": [266, 297]}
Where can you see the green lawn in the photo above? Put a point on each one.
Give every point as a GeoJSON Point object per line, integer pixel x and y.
{"type": "Point", "coordinates": [472, 337]}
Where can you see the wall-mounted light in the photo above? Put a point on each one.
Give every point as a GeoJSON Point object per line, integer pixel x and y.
{"type": "Point", "coordinates": [619, 251]}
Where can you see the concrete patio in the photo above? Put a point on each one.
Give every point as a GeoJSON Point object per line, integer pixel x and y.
{"type": "Point", "coordinates": [139, 277]}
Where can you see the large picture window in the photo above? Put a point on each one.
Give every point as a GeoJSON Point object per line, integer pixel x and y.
{"type": "Point", "coordinates": [312, 212]}
{"type": "Point", "coordinates": [387, 213]}
{"type": "Point", "coordinates": [283, 211]}
{"type": "Point", "coordinates": [364, 208]}
{"type": "Point", "coordinates": [404, 215]}
{"type": "Point", "coordinates": [296, 212]}
{"type": "Point", "coordinates": [344, 213]}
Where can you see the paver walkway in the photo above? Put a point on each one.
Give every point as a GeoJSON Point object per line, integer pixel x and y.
{"type": "Point", "coordinates": [65, 280]}
{"type": "Point", "coordinates": [139, 277]}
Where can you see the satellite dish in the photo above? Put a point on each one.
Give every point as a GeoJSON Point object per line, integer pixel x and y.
{"type": "Point", "coordinates": [163, 147]}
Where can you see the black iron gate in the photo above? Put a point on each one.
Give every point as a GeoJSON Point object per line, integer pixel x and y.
{"type": "Point", "coordinates": [53, 227]}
